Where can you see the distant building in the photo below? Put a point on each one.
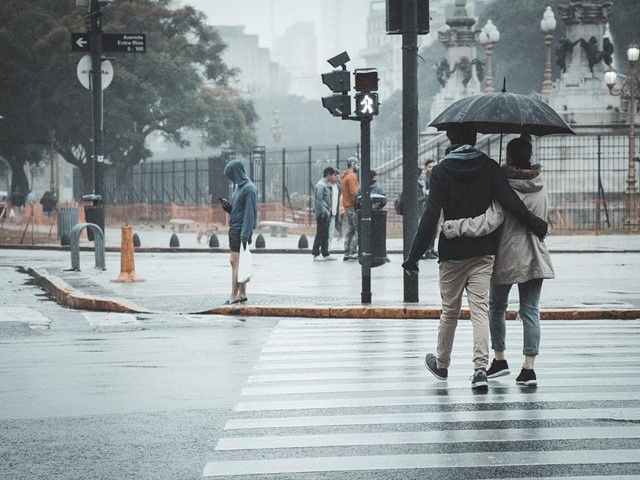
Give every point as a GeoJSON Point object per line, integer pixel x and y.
{"type": "Point", "coordinates": [343, 28]}
{"type": "Point", "coordinates": [258, 74]}
{"type": "Point", "coordinates": [296, 51]}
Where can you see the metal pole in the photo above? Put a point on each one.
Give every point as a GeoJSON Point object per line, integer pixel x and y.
{"type": "Point", "coordinates": [631, 178]}
{"type": "Point", "coordinates": [489, 49]}
{"type": "Point", "coordinates": [365, 209]}
{"type": "Point", "coordinates": [547, 85]}
{"type": "Point", "coordinates": [282, 184]}
{"type": "Point", "coordinates": [310, 187]}
{"type": "Point", "coordinates": [263, 173]}
{"type": "Point", "coordinates": [409, 137]}
{"type": "Point", "coordinates": [96, 92]}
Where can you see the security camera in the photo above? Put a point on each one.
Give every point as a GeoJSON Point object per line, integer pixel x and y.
{"type": "Point", "coordinates": [339, 60]}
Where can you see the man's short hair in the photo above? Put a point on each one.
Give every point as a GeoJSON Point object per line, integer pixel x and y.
{"type": "Point", "coordinates": [351, 161]}
{"type": "Point", "coordinates": [328, 171]}
{"type": "Point", "coordinates": [461, 133]}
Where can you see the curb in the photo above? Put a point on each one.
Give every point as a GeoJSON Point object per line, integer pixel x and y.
{"type": "Point", "coordinates": [70, 297]}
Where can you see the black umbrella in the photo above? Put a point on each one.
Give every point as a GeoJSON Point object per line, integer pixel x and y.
{"type": "Point", "coordinates": [503, 112]}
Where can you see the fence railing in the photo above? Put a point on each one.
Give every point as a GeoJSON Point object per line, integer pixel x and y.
{"type": "Point", "coordinates": [573, 168]}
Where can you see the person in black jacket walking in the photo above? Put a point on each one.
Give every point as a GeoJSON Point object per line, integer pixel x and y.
{"type": "Point", "coordinates": [463, 185]}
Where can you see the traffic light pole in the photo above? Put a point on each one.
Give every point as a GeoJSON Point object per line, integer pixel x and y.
{"type": "Point", "coordinates": [97, 160]}
{"type": "Point", "coordinates": [409, 137]}
{"type": "Point", "coordinates": [365, 208]}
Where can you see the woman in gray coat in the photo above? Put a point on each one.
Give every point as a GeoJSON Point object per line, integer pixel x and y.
{"type": "Point", "coordinates": [522, 259]}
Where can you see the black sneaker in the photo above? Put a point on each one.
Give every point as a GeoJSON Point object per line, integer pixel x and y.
{"type": "Point", "coordinates": [527, 377]}
{"type": "Point", "coordinates": [432, 365]}
{"type": "Point", "coordinates": [479, 380]}
{"type": "Point", "coordinates": [498, 368]}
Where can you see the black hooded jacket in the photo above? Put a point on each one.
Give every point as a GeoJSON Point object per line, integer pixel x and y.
{"type": "Point", "coordinates": [463, 185]}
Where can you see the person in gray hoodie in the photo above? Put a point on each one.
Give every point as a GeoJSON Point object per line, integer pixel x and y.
{"type": "Point", "coordinates": [522, 259]}
{"type": "Point", "coordinates": [243, 216]}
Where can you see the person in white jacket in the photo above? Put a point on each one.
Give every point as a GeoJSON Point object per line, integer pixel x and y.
{"type": "Point", "coordinates": [522, 259]}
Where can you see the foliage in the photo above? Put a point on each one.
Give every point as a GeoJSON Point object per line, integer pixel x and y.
{"type": "Point", "coordinates": [179, 84]}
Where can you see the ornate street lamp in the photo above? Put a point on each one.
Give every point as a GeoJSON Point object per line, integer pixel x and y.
{"type": "Point", "coordinates": [488, 37]}
{"type": "Point", "coordinates": [628, 89]}
{"type": "Point", "coordinates": [548, 25]}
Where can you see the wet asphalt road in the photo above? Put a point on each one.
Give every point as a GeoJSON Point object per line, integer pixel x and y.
{"type": "Point", "coordinates": [88, 395]}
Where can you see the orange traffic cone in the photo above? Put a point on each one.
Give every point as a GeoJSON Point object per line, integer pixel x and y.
{"type": "Point", "coordinates": [127, 266]}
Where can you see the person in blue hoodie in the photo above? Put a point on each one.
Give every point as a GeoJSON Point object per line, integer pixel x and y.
{"type": "Point", "coordinates": [463, 185]}
{"type": "Point", "coordinates": [243, 216]}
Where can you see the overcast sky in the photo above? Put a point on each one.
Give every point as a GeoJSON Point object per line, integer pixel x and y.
{"type": "Point", "coordinates": [266, 18]}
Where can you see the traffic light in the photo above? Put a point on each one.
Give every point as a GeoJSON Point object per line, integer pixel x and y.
{"type": "Point", "coordinates": [394, 17]}
{"type": "Point", "coordinates": [339, 81]}
{"type": "Point", "coordinates": [338, 105]}
{"type": "Point", "coordinates": [366, 83]}
{"type": "Point", "coordinates": [366, 79]}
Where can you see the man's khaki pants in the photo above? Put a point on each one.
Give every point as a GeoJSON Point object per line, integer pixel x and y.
{"type": "Point", "coordinates": [474, 275]}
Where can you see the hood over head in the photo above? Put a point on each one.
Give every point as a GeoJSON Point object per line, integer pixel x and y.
{"type": "Point", "coordinates": [234, 171]}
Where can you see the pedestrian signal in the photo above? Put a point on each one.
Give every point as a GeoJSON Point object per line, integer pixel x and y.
{"type": "Point", "coordinates": [366, 104]}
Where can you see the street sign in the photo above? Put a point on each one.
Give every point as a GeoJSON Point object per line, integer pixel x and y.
{"type": "Point", "coordinates": [80, 42]}
{"type": "Point", "coordinates": [84, 72]}
{"type": "Point", "coordinates": [124, 42]}
{"type": "Point", "coordinates": [111, 42]}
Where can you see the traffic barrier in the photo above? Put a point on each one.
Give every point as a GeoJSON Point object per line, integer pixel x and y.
{"type": "Point", "coordinates": [136, 240]}
{"type": "Point", "coordinates": [303, 242]}
{"type": "Point", "coordinates": [260, 241]}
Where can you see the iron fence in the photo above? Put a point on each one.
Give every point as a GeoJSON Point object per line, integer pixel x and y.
{"type": "Point", "coordinates": [586, 176]}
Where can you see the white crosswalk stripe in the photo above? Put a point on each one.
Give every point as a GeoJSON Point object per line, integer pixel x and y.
{"type": "Point", "coordinates": [341, 399]}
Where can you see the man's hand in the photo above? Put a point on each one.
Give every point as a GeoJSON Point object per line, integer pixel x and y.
{"type": "Point", "coordinates": [244, 242]}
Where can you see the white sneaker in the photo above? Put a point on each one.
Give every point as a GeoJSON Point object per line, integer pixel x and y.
{"type": "Point", "coordinates": [318, 258]}
{"type": "Point", "coordinates": [329, 258]}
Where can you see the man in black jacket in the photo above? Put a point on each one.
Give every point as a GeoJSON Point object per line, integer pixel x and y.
{"type": "Point", "coordinates": [463, 185]}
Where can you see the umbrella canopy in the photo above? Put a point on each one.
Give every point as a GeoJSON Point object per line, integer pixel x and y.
{"type": "Point", "coordinates": [503, 112]}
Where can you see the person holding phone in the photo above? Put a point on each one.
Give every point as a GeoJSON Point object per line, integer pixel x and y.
{"type": "Point", "coordinates": [243, 217]}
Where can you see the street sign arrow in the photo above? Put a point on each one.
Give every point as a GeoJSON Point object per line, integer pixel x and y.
{"type": "Point", "coordinates": [80, 42]}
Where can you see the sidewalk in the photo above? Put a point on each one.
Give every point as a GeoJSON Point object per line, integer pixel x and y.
{"type": "Point", "coordinates": [596, 277]}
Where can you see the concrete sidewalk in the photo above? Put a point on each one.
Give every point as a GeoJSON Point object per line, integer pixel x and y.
{"type": "Point", "coordinates": [596, 277]}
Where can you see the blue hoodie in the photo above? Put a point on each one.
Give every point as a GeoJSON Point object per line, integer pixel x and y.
{"type": "Point", "coordinates": [244, 201]}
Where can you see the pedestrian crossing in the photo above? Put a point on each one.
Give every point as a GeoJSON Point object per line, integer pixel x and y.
{"type": "Point", "coordinates": [342, 399]}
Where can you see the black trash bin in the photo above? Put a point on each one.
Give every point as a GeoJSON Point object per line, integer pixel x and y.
{"type": "Point", "coordinates": [93, 213]}
{"type": "Point", "coordinates": [378, 230]}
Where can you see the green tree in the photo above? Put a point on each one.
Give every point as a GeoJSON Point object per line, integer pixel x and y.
{"type": "Point", "coordinates": [179, 84]}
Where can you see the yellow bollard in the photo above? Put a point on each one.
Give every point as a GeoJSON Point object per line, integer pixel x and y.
{"type": "Point", "coordinates": [127, 266]}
